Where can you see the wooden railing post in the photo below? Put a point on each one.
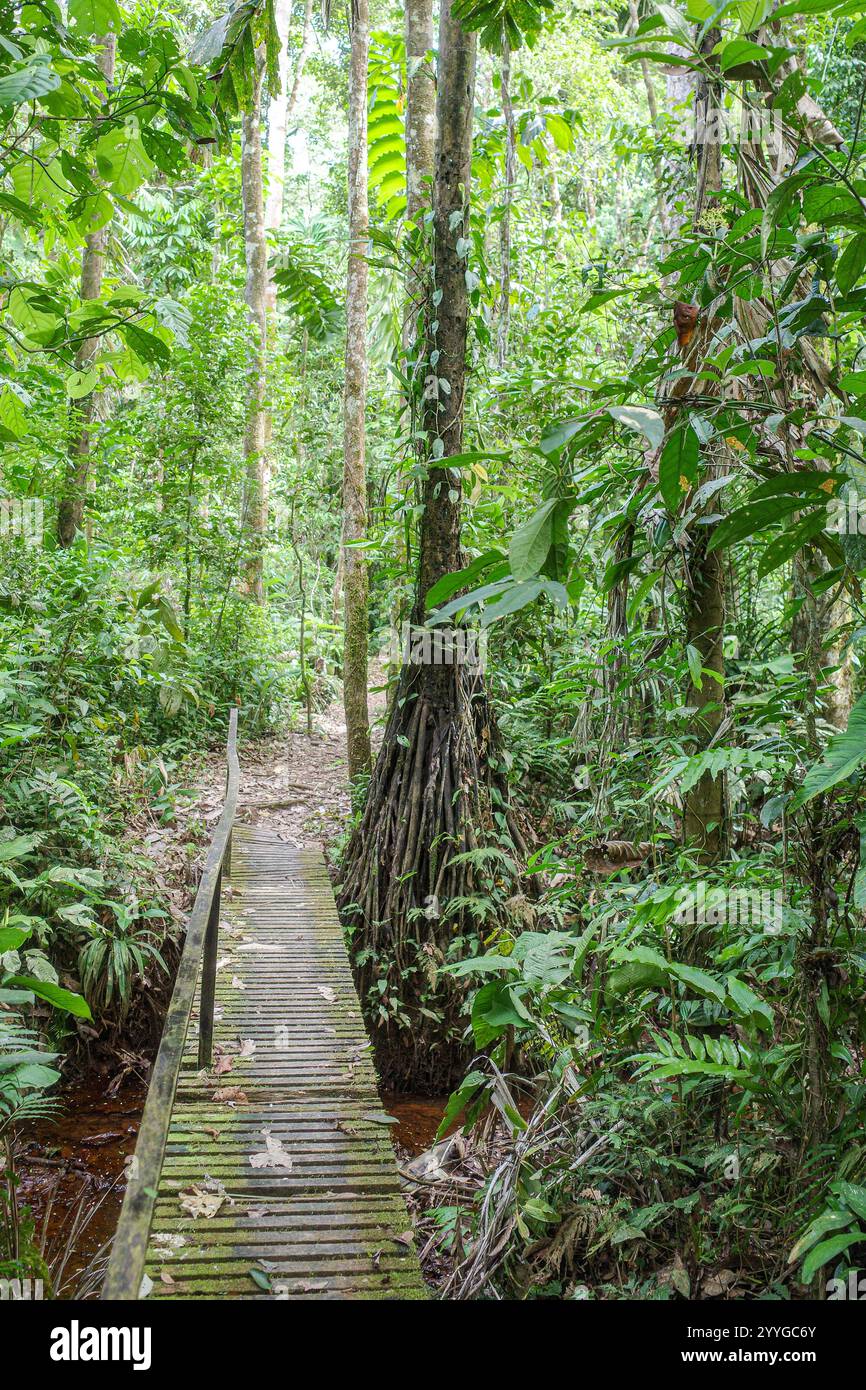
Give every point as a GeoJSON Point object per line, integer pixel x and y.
{"type": "Point", "coordinates": [208, 979]}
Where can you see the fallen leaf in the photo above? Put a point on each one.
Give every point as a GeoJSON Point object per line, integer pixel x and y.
{"type": "Point", "coordinates": [223, 1064]}
{"type": "Point", "coordinates": [248, 1047]}
{"type": "Point", "coordinates": [196, 1202]}
{"type": "Point", "coordinates": [168, 1243]}
{"type": "Point", "coordinates": [214, 1133]}
{"type": "Point", "coordinates": [166, 1278]}
{"type": "Point", "coordinates": [327, 993]}
{"type": "Point", "coordinates": [227, 1094]}
{"type": "Point", "coordinates": [237, 984]}
{"type": "Point", "coordinates": [145, 1288]}
{"type": "Point", "coordinates": [716, 1284]}
{"type": "Point", "coordinates": [405, 1237]}
{"type": "Point", "coordinates": [273, 1155]}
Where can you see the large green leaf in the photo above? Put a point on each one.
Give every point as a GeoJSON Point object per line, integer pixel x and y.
{"type": "Point", "coordinates": [844, 754]}
{"type": "Point", "coordinates": [641, 418]}
{"type": "Point", "coordinates": [27, 83]}
{"type": "Point", "coordinates": [12, 937]}
{"type": "Point", "coordinates": [52, 994]}
{"type": "Point", "coordinates": [828, 1250]}
{"type": "Point", "coordinates": [746, 521]}
{"type": "Point", "coordinates": [95, 16]}
{"type": "Point", "coordinates": [530, 543]}
{"type": "Point", "coordinates": [18, 847]}
{"type": "Point", "coordinates": [678, 465]}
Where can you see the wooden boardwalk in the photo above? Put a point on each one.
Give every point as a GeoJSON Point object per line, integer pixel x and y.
{"type": "Point", "coordinates": [279, 1179]}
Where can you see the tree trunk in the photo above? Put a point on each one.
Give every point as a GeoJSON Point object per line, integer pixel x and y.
{"type": "Point", "coordinates": [420, 107]}
{"type": "Point", "coordinates": [71, 508]}
{"type": "Point", "coordinates": [505, 222]}
{"type": "Point", "coordinates": [403, 890]}
{"type": "Point", "coordinates": [355, 618]}
{"type": "Point", "coordinates": [255, 504]}
{"type": "Point", "coordinates": [420, 147]}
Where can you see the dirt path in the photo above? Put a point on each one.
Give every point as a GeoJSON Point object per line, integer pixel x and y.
{"type": "Point", "coordinates": [295, 784]}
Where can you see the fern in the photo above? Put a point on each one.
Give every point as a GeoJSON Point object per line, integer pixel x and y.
{"type": "Point", "coordinates": [305, 291]}
{"type": "Point", "coordinates": [386, 133]}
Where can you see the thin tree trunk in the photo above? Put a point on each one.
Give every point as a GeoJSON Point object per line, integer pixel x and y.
{"type": "Point", "coordinates": [355, 583]}
{"type": "Point", "coordinates": [420, 149]}
{"type": "Point", "coordinates": [505, 221]}
{"type": "Point", "coordinates": [71, 508]}
{"type": "Point", "coordinates": [255, 505]}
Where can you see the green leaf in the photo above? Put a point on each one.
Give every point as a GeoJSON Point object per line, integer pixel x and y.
{"type": "Point", "coordinates": [827, 1221]}
{"type": "Point", "coordinates": [752, 13]}
{"type": "Point", "coordinates": [95, 16]}
{"type": "Point", "coordinates": [121, 159]}
{"type": "Point", "coordinates": [80, 384]}
{"type": "Point", "coordinates": [746, 1001]}
{"type": "Point", "coordinates": [854, 1197]}
{"type": "Point", "coordinates": [693, 657]}
{"type": "Point", "coordinates": [519, 596]}
{"type": "Point", "coordinates": [18, 847]}
{"type": "Point", "coordinates": [736, 52]}
{"type": "Point", "coordinates": [559, 435]}
{"type": "Point", "coordinates": [527, 550]}
{"type": "Point", "coordinates": [12, 413]}
{"type": "Point", "coordinates": [827, 1251]}
{"type": "Point", "coordinates": [699, 980]}
{"type": "Point", "coordinates": [779, 205]}
{"type": "Point", "coordinates": [641, 418]}
{"type": "Point", "coordinates": [13, 937]}
{"type": "Point", "coordinates": [746, 521]}
{"type": "Point", "coordinates": [450, 583]}
{"type": "Point", "coordinates": [843, 756]}
{"type": "Point", "coordinates": [496, 1007]}
{"type": "Point", "coordinates": [37, 79]}
{"type": "Point", "coordinates": [850, 264]}
{"type": "Point", "coordinates": [678, 465]}
{"type": "Point", "coordinates": [35, 1076]}
{"type": "Point", "coordinates": [459, 1099]}
{"type": "Point", "coordinates": [52, 994]}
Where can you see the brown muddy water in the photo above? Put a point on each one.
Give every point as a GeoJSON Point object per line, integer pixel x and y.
{"type": "Point", "coordinates": [70, 1176]}
{"type": "Point", "coordinates": [70, 1170]}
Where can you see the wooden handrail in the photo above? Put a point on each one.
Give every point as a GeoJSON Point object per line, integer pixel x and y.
{"type": "Point", "coordinates": [129, 1250]}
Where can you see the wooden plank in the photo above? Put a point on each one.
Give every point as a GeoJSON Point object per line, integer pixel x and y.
{"type": "Point", "coordinates": [327, 1220]}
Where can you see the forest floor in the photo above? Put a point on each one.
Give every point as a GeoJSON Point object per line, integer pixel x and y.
{"type": "Point", "coordinates": [293, 783]}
